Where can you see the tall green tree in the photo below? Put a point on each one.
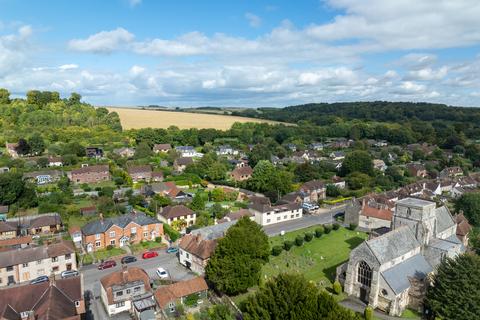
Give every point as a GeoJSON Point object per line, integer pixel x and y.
{"type": "Point", "coordinates": [291, 297]}
{"type": "Point", "coordinates": [269, 179]}
{"type": "Point", "coordinates": [455, 289]}
{"type": "Point", "coordinates": [357, 161]}
{"type": "Point", "coordinates": [37, 145]}
{"type": "Point", "coordinates": [143, 151]}
{"type": "Point", "coordinates": [469, 203]}
{"type": "Point", "coordinates": [238, 258]}
{"type": "Point", "coordinates": [4, 96]}
{"type": "Point", "coordinates": [198, 202]}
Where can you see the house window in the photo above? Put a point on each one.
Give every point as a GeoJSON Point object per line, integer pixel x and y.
{"type": "Point", "coordinates": [292, 216]}
{"type": "Point", "coordinates": [25, 265]}
{"type": "Point", "coordinates": [136, 289]}
{"type": "Point", "coordinates": [39, 261]}
{"type": "Point", "coordinates": [112, 242]}
{"type": "Point", "coordinates": [268, 220]}
{"type": "Point", "coordinates": [285, 217]}
{"type": "Point", "coordinates": [145, 234]}
{"type": "Point", "coordinates": [297, 215]}
{"type": "Point", "coordinates": [364, 274]}
{"type": "Point", "coordinates": [77, 303]}
{"type": "Point", "coordinates": [120, 304]}
{"type": "Point", "coordinates": [68, 256]}
{"type": "Point", "coordinates": [55, 269]}
{"type": "Point", "coordinates": [128, 291]}
{"type": "Point", "coordinates": [97, 243]}
{"type": "Point", "coordinates": [119, 293]}
{"type": "Point", "coordinates": [133, 230]}
{"type": "Point", "coordinates": [278, 218]}
{"type": "Point", "coordinates": [54, 259]}
{"type": "Point", "coordinates": [112, 234]}
{"type": "Point", "coordinates": [188, 256]}
{"type": "Point", "coordinates": [10, 268]}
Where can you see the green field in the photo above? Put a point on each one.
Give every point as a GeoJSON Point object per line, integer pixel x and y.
{"type": "Point", "coordinates": [316, 260]}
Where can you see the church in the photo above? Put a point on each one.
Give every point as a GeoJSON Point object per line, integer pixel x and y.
{"type": "Point", "coordinates": [390, 272]}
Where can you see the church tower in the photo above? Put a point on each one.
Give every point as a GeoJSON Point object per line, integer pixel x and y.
{"type": "Point", "coordinates": [419, 215]}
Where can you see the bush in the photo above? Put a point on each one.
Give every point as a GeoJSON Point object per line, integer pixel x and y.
{"type": "Point", "coordinates": [337, 287]}
{"type": "Point", "coordinates": [109, 247]}
{"type": "Point", "coordinates": [368, 313]}
{"type": "Point", "coordinates": [336, 226]}
{"type": "Point", "coordinates": [276, 250]}
{"type": "Point", "coordinates": [352, 226]}
{"type": "Point", "coordinates": [158, 239]}
{"type": "Point", "coordinates": [287, 245]}
{"type": "Point", "coordinates": [299, 241]}
{"type": "Point", "coordinates": [327, 228]}
{"type": "Point", "coordinates": [308, 236]}
{"type": "Point", "coordinates": [319, 231]}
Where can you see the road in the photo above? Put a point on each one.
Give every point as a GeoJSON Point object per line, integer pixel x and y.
{"type": "Point", "coordinates": [92, 276]}
{"type": "Point", "coordinates": [307, 220]}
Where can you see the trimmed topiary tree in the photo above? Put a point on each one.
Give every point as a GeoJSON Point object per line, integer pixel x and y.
{"type": "Point", "coordinates": [352, 226]}
{"type": "Point", "coordinates": [308, 236]}
{"type": "Point", "coordinates": [287, 245]}
{"type": "Point", "coordinates": [336, 226]}
{"type": "Point", "coordinates": [276, 250]}
{"type": "Point", "coordinates": [368, 313]}
{"type": "Point", "coordinates": [319, 231]}
{"type": "Point", "coordinates": [337, 287]}
{"type": "Point", "coordinates": [327, 228]}
{"type": "Point", "coordinates": [299, 241]}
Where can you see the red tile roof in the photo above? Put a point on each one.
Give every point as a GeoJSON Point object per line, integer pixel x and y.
{"type": "Point", "coordinates": [165, 295]}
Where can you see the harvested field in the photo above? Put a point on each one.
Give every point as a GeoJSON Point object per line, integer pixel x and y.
{"type": "Point", "coordinates": [138, 118]}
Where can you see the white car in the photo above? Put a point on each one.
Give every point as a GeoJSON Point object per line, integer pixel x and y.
{"type": "Point", "coordinates": [162, 273]}
{"type": "Point", "coordinates": [69, 273]}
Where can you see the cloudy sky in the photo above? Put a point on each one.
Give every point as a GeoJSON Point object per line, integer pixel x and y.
{"type": "Point", "coordinates": [243, 53]}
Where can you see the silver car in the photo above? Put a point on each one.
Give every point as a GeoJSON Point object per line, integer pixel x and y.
{"type": "Point", "coordinates": [69, 273]}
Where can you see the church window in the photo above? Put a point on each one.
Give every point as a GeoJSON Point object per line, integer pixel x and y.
{"type": "Point", "coordinates": [364, 274]}
{"type": "Point", "coordinates": [384, 293]}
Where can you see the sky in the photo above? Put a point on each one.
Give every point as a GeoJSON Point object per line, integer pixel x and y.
{"type": "Point", "coordinates": [243, 53]}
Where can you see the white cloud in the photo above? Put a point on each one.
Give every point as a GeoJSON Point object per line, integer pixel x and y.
{"type": "Point", "coordinates": [134, 3]}
{"type": "Point", "coordinates": [15, 49]}
{"type": "Point", "coordinates": [68, 67]}
{"type": "Point", "coordinates": [428, 74]}
{"type": "Point", "coordinates": [103, 42]}
{"type": "Point", "coordinates": [253, 20]}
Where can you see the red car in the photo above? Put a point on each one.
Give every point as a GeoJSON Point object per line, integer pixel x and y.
{"type": "Point", "coordinates": [149, 254]}
{"type": "Point", "coordinates": [107, 264]}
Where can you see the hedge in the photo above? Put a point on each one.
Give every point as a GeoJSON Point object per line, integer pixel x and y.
{"type": "Point", "coordinates": [299, 241]}
{"type": "Point", "coordinates": [368, 313]}
{"type": "Point", "coordinates": [308, 236]}
{"type": "Point", "coordinates": [319, 231]}
{"type": "Point", "coordinates": [276, 250]}
{"type": "Point", "coordinates": [287, 245]}
{"type": "Point", "coordinates": [172, 234]}
{"type": "Point", "coordinates": [327, 228]}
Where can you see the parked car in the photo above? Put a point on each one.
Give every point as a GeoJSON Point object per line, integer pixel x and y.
{"type": "Point", "coordinates": [172, 250]}
{"type": "Point", "coordinates": [149, 254]}
{"type": "Point", "coordinates": [69, 273]}
{"type": "Point", "coordinates": [39, 280]}
{"type": "Point", "coordinates": [128, 259]}
{"type": "Point", "coordinates": [162, 273]}
{"type": "Point", "coordinates": [107, 264]}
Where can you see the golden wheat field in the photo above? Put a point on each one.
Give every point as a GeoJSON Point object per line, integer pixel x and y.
{"type": "Point", "coordinates": [138, 118]}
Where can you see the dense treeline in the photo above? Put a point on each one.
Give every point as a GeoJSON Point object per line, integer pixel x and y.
{"type": "Point", "coordinates": [398, 122]}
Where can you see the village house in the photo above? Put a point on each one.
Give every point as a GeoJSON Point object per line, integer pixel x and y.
{"type": "Point", "coordinates": [340, 143]}
{"type": "Point", "coordinates": [55, 161]}
{"type": "Point", "coordinates": [94, 152]}
{"type": "Point", "coordinates": [76, 234]}
{"type": "Point", "coordinates": [89, 211]}
{"type": "Point", "coordinates": [125, 152]}
{"type": "Point", "coordinates": [370, 212]}
{"type": "Point", "coordinates": [237, 215]}
{"type": "Point", "coordinates": [451, 172]}
{"type": "Point", "coordinates": [157, 176]}
{"type": "Point", "coordinates": [12, 149]}
{"type": "Point", "coordinates": [196, 248]}
{"type": "Point", "coordinates": [314, 191]}
{"type": "Point", "coordinates": [21, 265]}
{"type": "Point", "coordinates": [127, 290]}
{"type": "Point", "coordinates": [316, 146]}
{"type": "Point", "coordinates": [291, 146]}
{"type": "Point", "coordinates": [188, 152]}
{"type": "Point", "coordinates": [177, 212]}
{"type": "Point", "coordinates": [390, 272]}
{"type": "Point", "coordinates": [16, 243]}
{"type": "Point", "coordinates": [226, 150]}
{"type": "Point", "coordinates": [50, 300]}
{"type": "Point", "coordinates": [170, 296]}
{"type": "Point", "coordinates": [181, 164]}
{"type": "Point", "coordinates": [417, 170]}
{"type": "Point", "coordinates": [238, 163]}
{"type": "Point", "coordinates": [241, 173]}
{"type": "Point", "coordinates": [91, 174]}
{"type": "Point", "coordinates": [167, 189]}
{"type": "Point", "coordinates": [7, 231]}
{"type": "Point", "coordinates": [337, 155]}
{"type": "Point", "coordinates": [162, 147]}
{"type": "Point", "coordinates": [120, 231]}
{"type": "Point", "coordinates": [293, 197]}
{"type": "Point", "coordinates": [463, 228]}
{"type": "Point", "coordinates": [266, 214]}
{"type": "Point", "coordinates": [43, 177]}
{"type": "Point", "coordinates": [46, 223]}
{"type": "Point", "coordinates": [379, 164]}
{"type": "Point", "coordinates": [140, 173]}
{"type": "Point", "coordinates": [338, 182]}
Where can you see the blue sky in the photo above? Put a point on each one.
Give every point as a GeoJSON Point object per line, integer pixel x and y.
{"type": "Point", "coordinates": [243, 53]}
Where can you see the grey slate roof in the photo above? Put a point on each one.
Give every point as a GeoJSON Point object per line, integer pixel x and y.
{"type": "Point", "coordinates": [444, 219]}
{"type": "Point", "coordinates": [415, 202]}
{"type": "Point", "coordinates": [414, 267]}
{"type": "Point", "coordinates": [122, 221]}
{"type": "Point", "coordinates": [393, 244]}
{"type": "Point", "coordinates": [215, 231]}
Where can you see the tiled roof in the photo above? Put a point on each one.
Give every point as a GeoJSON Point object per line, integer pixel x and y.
{"type": "Point", "coordinates": [194, 244]}
{"type": "Point", "coordinates": [463, 227]}
{"type": "Point", "coordinates": [139, 169]}
{"type": "Point", "coordinates": [312, 185]}
{"type": "Point", "coordinates": [122, 277]}
{"type": "Point", "coordinates": [383, 214]}
{"type": "Point", "coordinates": [177, 211]}
{"type": "Point", "coordinates": [100, 226]}
{"type": "Point", "coordinates": [162, 146]}
{"type": "Point", "coordinates": [19, 256]}
{"type": "Point", "coordinates": [175, 291]}
{"type": "Point", "coordinates": [91, 169]}
{"type": "Point", "coordinates": [393, 244]}
{"type": "Point", "coordinates": [183, 161]}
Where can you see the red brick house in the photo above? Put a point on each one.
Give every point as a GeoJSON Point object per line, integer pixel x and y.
{"type": "Point", "coordinates": [417, 170]}
{"type": "Point", "coordinates": [91, 174]}
{"type": "Point", "coordinates": [140, 173]}
{"type": "Point", "coordinates": [242, 173]}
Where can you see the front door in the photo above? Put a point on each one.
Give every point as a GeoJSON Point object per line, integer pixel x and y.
{"type": "Point", "coordinates": [11, 280]}
{"type": "Point", "coordinates": [364, 294]}
{"type": "Point", "coordinates": [69, 266]}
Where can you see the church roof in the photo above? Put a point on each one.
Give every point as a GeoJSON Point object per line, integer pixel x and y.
{"type": "Point", "coordinates": [398, 276]}
{"type": "Point", "coordinates": [393, 244]}
{"type": "Point", "coordinates": [444, 219]}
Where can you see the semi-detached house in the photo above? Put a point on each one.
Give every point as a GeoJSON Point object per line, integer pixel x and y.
{"type": "Point", "coordinates": [266, 214]}
{"type": "Point", "coordinates": [90, 174]}
{"type": "Point", "coordinates": [120, 231]}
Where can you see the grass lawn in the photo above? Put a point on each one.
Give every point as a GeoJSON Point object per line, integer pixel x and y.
{"type": "Point", "coordinates": [410, 314]}
{"type": "Point", "coordinates": [316, 260]}
{"type": "Point", "coordinates": [105, 254]}
{"type": "Point", "coordinates": [146, 245]}
{"type": "Point", "coordinates": [76, 221]}
{"type": "Point", "coordinates": [82, 202]}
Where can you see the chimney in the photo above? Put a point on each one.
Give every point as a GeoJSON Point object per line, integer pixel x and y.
{"type": "Point", "coordinates": [124, 273]}
{"type": "Point", "coordinates": [52, 279]}
{"type": "Point", "coordinates": [101, 217]}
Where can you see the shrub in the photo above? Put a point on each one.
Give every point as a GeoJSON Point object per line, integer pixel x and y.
{"type": "Point", "coordinates": [327, 228]}
{"type": "Point", "coordinates": [109, 247]}
{"type": "Point", "coordinates": [287, 245]}
{"type": "Point", "coordinates": [299, 241]}
{"type": "Point", "coordinates": [352, 226]}
{"type": "Point", "coordinates": [337, 287]}
{"type": "Point", "coordinates": [308, 236]}
{"type": "Point", "coordinates": [276, 250]}
{"type": "Point", "coordinates": [336, 226]}
{"type": "Point", "coordinates": [158, 239]}
{"type": "Point", "coordinates": [319, 231]}
{"type": "Point", "coordinates": [368, 313]}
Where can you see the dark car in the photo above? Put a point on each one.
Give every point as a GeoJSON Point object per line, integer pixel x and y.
{"type": "Point", "coordinates": [107, 264]}
{"type": "Point", "coordinates": [149, 254]}
{"type": "Point", "coordinates": [128, 259]}
{"type": "Point", "coordinates": [39, 280]}
{"type": "Point", "coordinates": [172, 250]}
